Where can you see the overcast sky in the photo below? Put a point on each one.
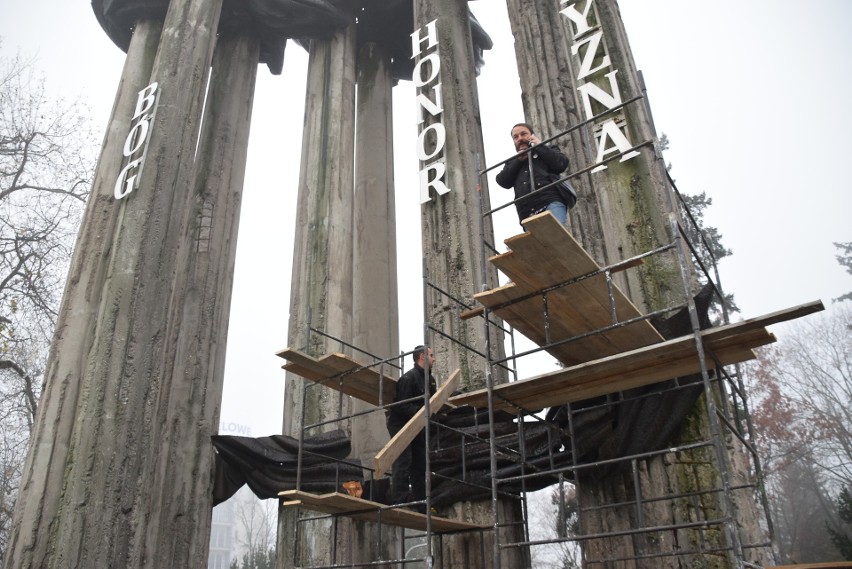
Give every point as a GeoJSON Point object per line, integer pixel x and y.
{"type": "Point", "coordinates": [753, 99]}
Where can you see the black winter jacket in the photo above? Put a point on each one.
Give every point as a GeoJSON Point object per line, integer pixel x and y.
{"type": "Point", "coordinates": [409, 385]}
{"type": "Point", "coordinates": [548, 162]}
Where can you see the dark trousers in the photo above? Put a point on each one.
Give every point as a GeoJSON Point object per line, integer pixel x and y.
{"type": "Point", "coordinates": [409, 469]}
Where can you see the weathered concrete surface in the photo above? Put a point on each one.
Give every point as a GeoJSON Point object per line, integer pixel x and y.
{"type": "Point", "coordinates": [375, 313]}
{"type": "Point", "coordinates": [180, 471]}
{"type": "Point", "coordinates": [375, 306]}
{"type": "Point", "coordinates": [87, 499]}
{"type": "Point", "coordinates": [453, 233]}
{"type": "Point", "coordinates": [33, 542]}
{"type": "Point", "coordinates": [621, 212]}
{"type": "Point", "coordinates": [451, 223]}
{"type": "Point", "coordinates": [321, 286]}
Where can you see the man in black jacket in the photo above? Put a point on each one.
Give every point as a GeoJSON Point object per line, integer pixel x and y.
{"type": "Point", "coordinates": [547, 163]}
{"type": "Point", "coordinates": [410, 467]}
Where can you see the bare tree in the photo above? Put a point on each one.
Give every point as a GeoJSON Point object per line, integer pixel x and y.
{"type": "Point", "coordinates": [257, 523]}
{"type": "Point", "coordinates": [46, 163]}
{"type": "Point", "coordinates": [803, 420]}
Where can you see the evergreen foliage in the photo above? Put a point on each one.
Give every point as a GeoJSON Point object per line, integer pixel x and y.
{"type": "Point", "coordinates": [843, 540]}
{"type": "Point", "coordinates": [845, 260]}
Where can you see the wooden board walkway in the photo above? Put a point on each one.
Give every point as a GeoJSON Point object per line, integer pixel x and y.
{"type": "Point", "coordinates": [343, 504]}
{"type": "Point", "coordinates": [343, 374]}
{"type": "Point", "coordinates": [547, 255]}
{"type": "Point", "coordinates": [825, 565]}
{"type": "Point", "coordinates": [731, 344]}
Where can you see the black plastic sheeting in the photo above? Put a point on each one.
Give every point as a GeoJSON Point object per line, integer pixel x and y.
{"type": "Point", "coordinates": [633, 422]}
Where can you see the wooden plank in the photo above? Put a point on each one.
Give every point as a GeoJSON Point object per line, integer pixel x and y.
{"type": "Point", "coordinates": [400, 441]}
{"type": "Point", "coordinates": [825, 565]}
{"type": "Point", "coordinates": [366, 380]}
{"type": "Point", "coordinates": [341, 373]}
{"type": "Point", "coordinates": [342, 504]}
{"type": "Point", "coordinates": [547, 255]}
{"type": "Point", "coordinates": [731, 343]}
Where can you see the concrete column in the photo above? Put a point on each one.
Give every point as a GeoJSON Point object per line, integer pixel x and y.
{"type": "Point", "coordinates": [31, 543]}
{"type": "Point", "coordinates": [375, 314]}
{"type": "Point", "coordinates": [454, 253]}
{"type": "Point", "coordinates": [622, 211]}
{"type": "Point", "coordinates": [322, 258]}
{"type": "Point", "coordinates": [452, 241]}
{"type": "Point", "coordinates": [102, 515]}
{"type": "Point", "coordinates": [547, 93]}
{"type": "Point", "coordinates": [375, 311]}
{"type": "Point", "coordinates": [180, 469]}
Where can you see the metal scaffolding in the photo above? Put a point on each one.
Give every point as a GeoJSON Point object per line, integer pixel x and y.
{"type": "Point", "coordinates": [705, 519]}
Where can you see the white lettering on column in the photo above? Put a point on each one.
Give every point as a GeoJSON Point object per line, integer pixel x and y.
{"type": "Point", "coordinates": [440, 139]}
{"type": "Point", "coordinates": [434, 70]}
{"type": "Point", "coordinates": [590, 91]}
{"type": "Point", "coordinates": [431, 37]}
{"type": "Point", "coordinates": [136, 142]}
{"type": "Point", "coordinates": [425, 103]}
{"type": "Point", "coordinates": [435, 182]}
{"type": "Point", "coordinates": [612, 138]}
{"type": "Point", "coordinates": [581, 20]}
{"type": "Point", "coordinates": [125, 185]}
{"type": "Point", "coordinates": [433, 135]}
{"type": "Point", "coordinates": [145, 101]}
{"type": "Point", "coordinates": [610, 131]}
{"type": "Point", "coordinates": [588, 58]}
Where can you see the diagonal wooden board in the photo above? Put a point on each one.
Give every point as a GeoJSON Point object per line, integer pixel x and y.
{"type": "Point", "coordinates": [824, 565]}
{"type": "Point", "coordinates": [343, 504]}
{"type": "Point", "coordinates": [547, 255]}
{"type": "Point", "coordinates": [400, 441]}
{"type": "Point", "coordinates": [731, 343]}
{"type": "Point", "coordinates": [342, 374]}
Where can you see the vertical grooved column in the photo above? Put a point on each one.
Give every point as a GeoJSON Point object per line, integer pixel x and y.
{"type": "Point", "coordinates": [181, 468]}
{"type": "Point", "coordinates": [622, 211]}
{"type": "Point", "coordinates": [375, 313]}
{"type": "Point", "coordinates": [32, 541]}
{"type": "Point", "coordinates": [453, 248]}
{"type": "Point", "coordinates": [125, 384]}
{"type": "Point", "coordinates": [321, 286]}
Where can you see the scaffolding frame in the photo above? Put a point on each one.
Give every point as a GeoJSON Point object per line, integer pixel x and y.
{"type": "Point", "coordinates": [723, 390]}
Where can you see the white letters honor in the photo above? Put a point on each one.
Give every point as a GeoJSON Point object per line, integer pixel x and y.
{"type": "Point", "coordinates": [432, 137]}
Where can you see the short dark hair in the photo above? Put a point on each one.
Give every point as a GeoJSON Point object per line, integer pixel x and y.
{"type": "Point", "coordinates": [418, 351]}
{"type": "Point", "coordinates": [529, 127]}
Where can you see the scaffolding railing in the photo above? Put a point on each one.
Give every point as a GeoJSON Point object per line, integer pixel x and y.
{"type": "Point", "coordinates": [723, 390]}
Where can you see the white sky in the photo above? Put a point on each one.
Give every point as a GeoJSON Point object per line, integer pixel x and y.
{"type": "Point", "coordinates": [753, 101]}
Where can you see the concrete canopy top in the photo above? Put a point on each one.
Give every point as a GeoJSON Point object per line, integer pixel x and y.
{"type": "Point", "coordinates": [385, 22]}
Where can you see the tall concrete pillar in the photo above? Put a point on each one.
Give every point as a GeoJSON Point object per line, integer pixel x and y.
{"type": "Point", "coordinates": [31, 543]}
{"type": "Point", "coordinates": [547, 94]}
{"type": "Point", "coordinates": [117, 429]}
{"type": "Point", "coordinates": [453, 248]}
{"type": "Point", "coordinates": [622, 211]}
{"type": "Point", "coordinates": [375, 314]}
{"type": "Point", "coordinates": [321, 289]}
{"type": "Point", "coordinates": [375, 311]}
{"type": "Point", "coordinates": [104, 507]}
{"type": "Point", "coordinates": [452, 238]}
{"type": "Point", "coordinates": [179, 536]}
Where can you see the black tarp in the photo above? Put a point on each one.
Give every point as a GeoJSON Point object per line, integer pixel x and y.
{"type": "Point", "coordinates": [628, 423]}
